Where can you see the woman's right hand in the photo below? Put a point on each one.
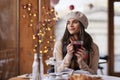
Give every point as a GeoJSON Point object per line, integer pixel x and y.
{"type": "Point", "coordinates": [70, 49]}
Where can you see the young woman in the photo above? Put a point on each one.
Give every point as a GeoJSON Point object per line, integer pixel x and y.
{"type": "Point", "coordinates": [85, 57]}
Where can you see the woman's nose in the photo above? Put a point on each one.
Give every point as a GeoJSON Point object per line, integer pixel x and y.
{"type": "Point", "coordinates": [71, 24]}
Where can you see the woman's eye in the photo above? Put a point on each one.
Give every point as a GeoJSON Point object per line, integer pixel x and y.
{"type": "Point", "coordinates": [68, 22]}
{"type": "Point", "coordinates": [75, 22]}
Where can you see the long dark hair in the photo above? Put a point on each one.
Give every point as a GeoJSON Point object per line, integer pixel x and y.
{"type": "Point", "coordinates": [82, 35]}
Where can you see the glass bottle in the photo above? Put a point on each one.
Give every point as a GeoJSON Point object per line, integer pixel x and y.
{"type": "Point", "coordinates": [41, 66]}
{"type": "Point", "coordinates": [35, 68]}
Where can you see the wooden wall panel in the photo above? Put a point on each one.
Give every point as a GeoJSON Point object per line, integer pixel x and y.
{"type": "Point", "coordinates": [46, 4]}
{"type": "Point", "coordinates": [9, 36]}
{"type": "Point", "coordinates": [26, 34]}
{"type": "Point", "coordinates": [26, 41]}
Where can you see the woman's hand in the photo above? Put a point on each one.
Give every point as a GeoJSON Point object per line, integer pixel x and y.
{"type": "Point", "coordinates": [81, 54]}
{"type": "Point", "coordinates": [70, 49]}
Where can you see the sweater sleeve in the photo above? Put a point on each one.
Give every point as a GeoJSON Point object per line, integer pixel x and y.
{"type": "Point", "coordinates": [57, 53]}
{"type": "Point", "coordinates": [94, 58]}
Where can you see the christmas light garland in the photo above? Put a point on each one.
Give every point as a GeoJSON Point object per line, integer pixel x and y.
{"type": "Point", "coordinates": [43, 30]}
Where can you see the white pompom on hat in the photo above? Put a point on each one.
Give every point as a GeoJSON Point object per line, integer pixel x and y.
{"type": "Point", "coordinates": [79, 16]}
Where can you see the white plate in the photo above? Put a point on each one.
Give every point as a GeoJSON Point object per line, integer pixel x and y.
{"type": "Point", "coordinates": [81, 72]}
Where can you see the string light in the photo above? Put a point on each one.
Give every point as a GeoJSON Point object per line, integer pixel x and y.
{"type": "Point", "coordinates": [43, 34]}
{"type": "Point", "coordinates": [23, 16]}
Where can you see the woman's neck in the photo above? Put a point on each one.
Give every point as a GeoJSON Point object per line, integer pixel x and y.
{"type": "Point", "coordinates": [75, 36]}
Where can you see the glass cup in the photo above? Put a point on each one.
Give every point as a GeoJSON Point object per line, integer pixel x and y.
{"type": "Point", "coordinates": [77, 45]}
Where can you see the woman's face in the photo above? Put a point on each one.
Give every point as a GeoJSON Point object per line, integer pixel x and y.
{"type": "Point", "coordinates": [73, 26]}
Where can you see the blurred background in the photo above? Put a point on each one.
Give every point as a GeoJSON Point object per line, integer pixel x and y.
{"type": "Point", "coordinates": [18, 19]}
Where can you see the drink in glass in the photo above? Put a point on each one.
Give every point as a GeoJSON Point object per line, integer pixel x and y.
{"type": "Point", "coordinates": [77, 45]}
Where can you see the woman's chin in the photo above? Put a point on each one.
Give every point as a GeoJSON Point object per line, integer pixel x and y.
{"type": "Point", "coordinates": [73, 33]}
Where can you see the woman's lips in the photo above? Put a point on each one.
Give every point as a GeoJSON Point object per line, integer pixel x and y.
{"type": "Point", "coordinates": [72, 29]}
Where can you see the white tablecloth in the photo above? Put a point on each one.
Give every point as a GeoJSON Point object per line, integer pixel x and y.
{"type": "Point", "coordinates": [110, 77]}
{"type": "Point", "coordinates": [104, 77]}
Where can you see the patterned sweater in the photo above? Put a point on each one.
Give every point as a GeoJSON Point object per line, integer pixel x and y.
{"type": "Point", "coordinates": [94, 58]}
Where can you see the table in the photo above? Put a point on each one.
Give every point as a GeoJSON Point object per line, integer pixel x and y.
{"type": "Point", "coordinates": [21, 77]}
{"type": "Point", "coordinates": [18, 78]}
{"type": "Point", "coordinates": [101, 61]}
{"type": "Point", "coordinates": [104, 77]}
{"type": "Point", "coordinates": [110, 78]}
